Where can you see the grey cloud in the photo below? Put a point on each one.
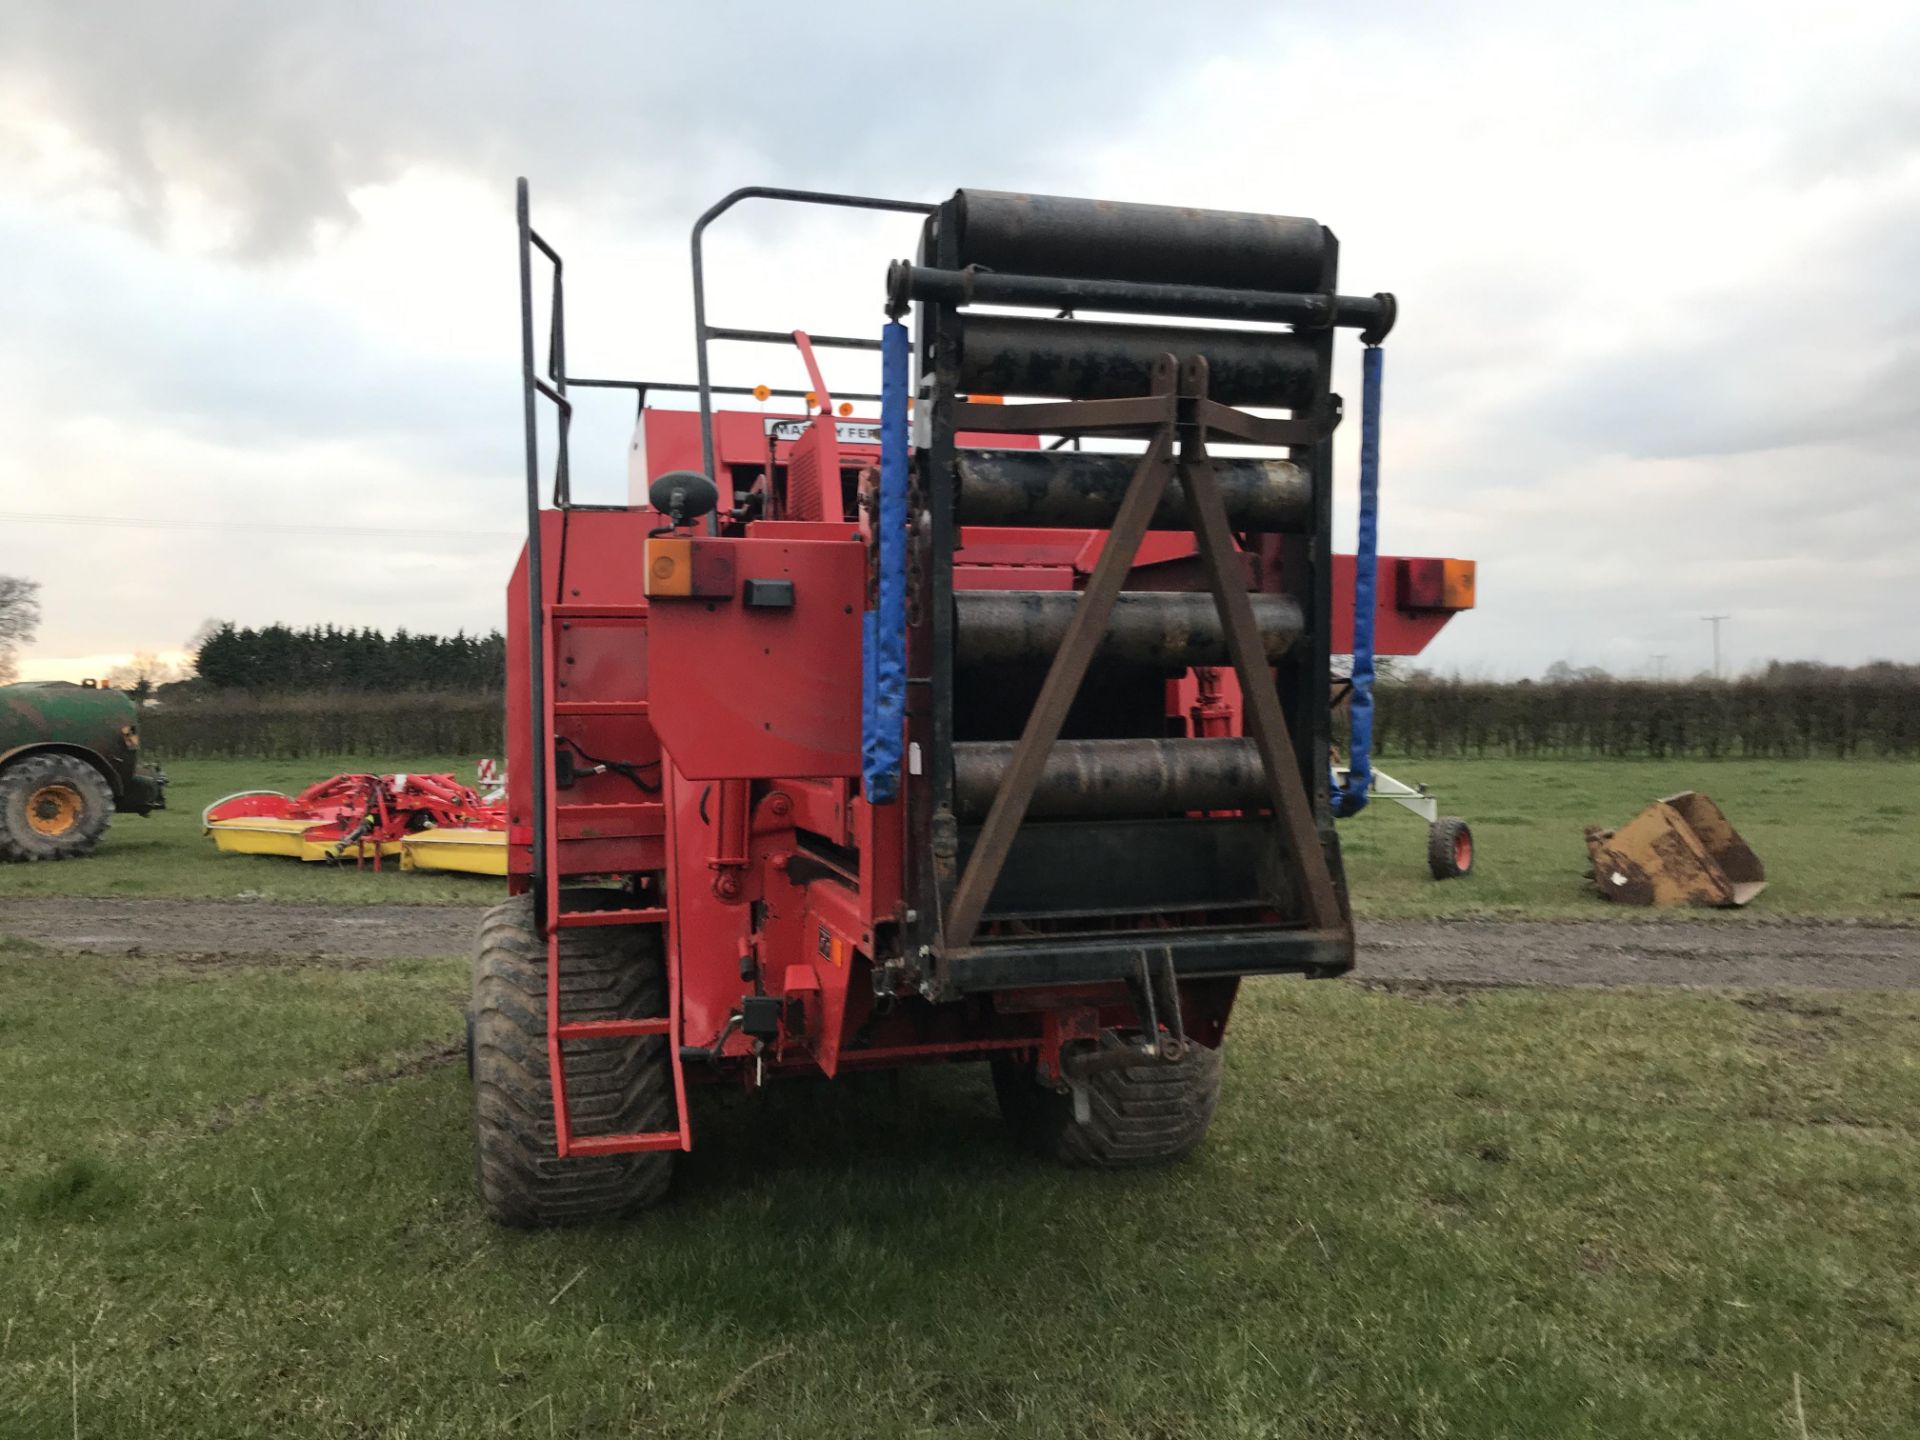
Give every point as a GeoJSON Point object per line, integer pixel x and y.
{"type": "Point", "coordinates": [1820, 350]}
{"type": "Point", "coordinates": [280, 111]}
{"type": "Point", "coordinates": [214, 356]}
{"type": "Point", "coordinates": [1782, 393]}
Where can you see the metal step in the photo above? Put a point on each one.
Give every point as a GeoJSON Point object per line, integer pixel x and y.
{"type": "Point", "coordinates": [596, 612]}
{"type": "Point", "coordinates": [580, 919]}
{"type": "Point", "coordinates": [612, 1029]}
{"type": "Point", "coordinates": [625, 1144]}
{"type": "Point", "coordinates": [599, 707]}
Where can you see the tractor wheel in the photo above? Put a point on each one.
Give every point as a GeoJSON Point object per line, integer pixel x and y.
{"type": "Point", "coordinates": [1449, 848]}
{"type": "Point", "coordinates": [613, 1086]}
{"type": "Point", "coordinates": [52, 807]}
{"type": "Point", "coordinates": [1143, 1114]}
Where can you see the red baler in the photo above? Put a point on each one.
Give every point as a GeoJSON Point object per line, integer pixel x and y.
{"type": "Point", "coordinates": [990, 724]}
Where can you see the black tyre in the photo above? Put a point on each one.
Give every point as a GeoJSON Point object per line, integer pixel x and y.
{"type": "Point", "coordinates": [1144, 1114]}
{"type": "Point", "coordinates": [613, 1086]}
{"type": "Point", "coordinates": [52, 807]}
{"type": "Point", "coordinates": [1449, 848]}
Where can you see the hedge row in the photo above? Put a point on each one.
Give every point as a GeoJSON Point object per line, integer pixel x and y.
{"type": "Point", "coordinates": [1759, 718]}
{"type": "Point", "coordinates": [1418, 718]}
{"type": "Point", "coordinates": [235, 725]}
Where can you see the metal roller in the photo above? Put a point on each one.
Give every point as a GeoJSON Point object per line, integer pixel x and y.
{"type": "Point", "coordinates": [1164, 244]}
{"type": "Point", "coordinates": [1079, 360]}
{"type": "Point", "coordinates": [1117, 777]}
{"type": "Point", "coordinates": [907, 283]}
{"type": "Point", "coordinates": [1173, 629]}
{"type": "Point", "coordinates": [1081, 489]}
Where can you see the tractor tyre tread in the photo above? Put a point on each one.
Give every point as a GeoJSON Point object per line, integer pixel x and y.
{"type": "Point", "coordinates": [613, 1086]}
{"type": "Point", "coordinates": [21, 779]}
{"type": "Point", "coordinates": [1147, 1114]}
{"type": "Point", "coordinates": [1443, 838]}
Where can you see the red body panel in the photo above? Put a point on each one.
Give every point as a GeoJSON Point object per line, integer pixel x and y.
{"type": "Point", "coordinates": [595, 661]}
{"type": "Point", "coordinates": [777, 875]}
{"type": "Point", "coordinates": [757, 692]}
{"type": "Point", "coordinates": [1399, 628]}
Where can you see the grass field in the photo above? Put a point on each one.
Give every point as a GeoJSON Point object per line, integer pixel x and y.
{"type": "Point", "coordinates": [237, 1201]}
{"type": "Point", "coordinates": [1840, 838]}
{"type": "Point", "coordinates": [166, 855]}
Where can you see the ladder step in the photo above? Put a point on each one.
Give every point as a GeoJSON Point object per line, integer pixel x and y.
{"type": "Point", "coordinates": [624, 1144]}
{"type": "Point", "coordinates": [612, 1029]}
{"type": "Point", "coordinates": [575, 919]}
{"type": "Point", "coordinates": [599, 707]}
{"type": "Point", "coordinates": [596, 612]}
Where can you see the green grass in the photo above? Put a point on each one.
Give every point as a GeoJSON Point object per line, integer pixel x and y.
{"type": "Point", "coordinates": [166, 855]}
{"type": "Point", "coordinates": [1839, 838]}
{"type": "Point", "coordinates": [239, 1203]}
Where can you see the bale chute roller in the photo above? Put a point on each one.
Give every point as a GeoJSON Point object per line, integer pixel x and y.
{"type": "Point", "coordinates": [997, 748]}
{"type": "Point", "coordinates": [1171, 386]}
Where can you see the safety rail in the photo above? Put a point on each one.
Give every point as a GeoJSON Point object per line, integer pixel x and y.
{"type": "Point", "coordinates": [556, 384]}
{"type": "Point", "coordinates": [545, 614]}
{"type": "Point", "coordinates": [703, 332]}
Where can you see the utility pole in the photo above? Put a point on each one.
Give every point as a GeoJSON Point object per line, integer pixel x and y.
{"type": "Point", "coordinates": [1659, 667]}
{"type": "Point", "coordinates": [1714, 620]}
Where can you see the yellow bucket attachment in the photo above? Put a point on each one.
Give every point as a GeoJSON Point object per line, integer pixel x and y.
{"type": "Point", "coordinates": [1677, 851]}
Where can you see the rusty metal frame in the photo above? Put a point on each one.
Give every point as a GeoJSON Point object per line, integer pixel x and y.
{"type": "Point", "coordinates": [1179, 409]}
{"type": "Point", "coordinates": [1264, 719]}
{"type": "Point", "coordinates": [1069, 669]}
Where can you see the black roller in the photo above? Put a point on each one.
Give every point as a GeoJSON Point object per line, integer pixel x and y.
{"type": "Point", "coordinates": [1079, 360]}
{"type": "Point", "coordinates": [1117, 777]}
{"type": "Point", "coordinates": [1081, 489]}
{"type": "Point", "coordinates": [1171, 629]}
{"type": "Point", "coordinates": [1373, 314]}
{"type": "Point", "coordinates": [1164, 244]}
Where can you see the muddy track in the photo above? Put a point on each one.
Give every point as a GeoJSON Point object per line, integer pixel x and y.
{"type": "Point", "coordinates": [216, 930]}
{"type": "Point", "coordinates": [1740, 954]}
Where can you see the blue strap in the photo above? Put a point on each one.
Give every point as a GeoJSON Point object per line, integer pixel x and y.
{"type": "Point", "coordinates": [883, 697]}
{"type": "Point", "coordinates": [1351, 798]}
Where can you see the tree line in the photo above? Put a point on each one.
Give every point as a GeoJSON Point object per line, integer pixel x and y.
{"type": "Point", "coordinates": [1791, 710]}
{"type": "Point", "coordinates": [278, 658]}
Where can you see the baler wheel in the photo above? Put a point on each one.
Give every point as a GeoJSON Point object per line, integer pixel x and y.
{"type": "Point", "coordinates": [1144, 1114]}
{"type": "Point", "coordinates": [52, 807]}
{"type": "Point", "coordinates": [1449, 848]}
{"type": "Point", "coordinates": [608, 972]}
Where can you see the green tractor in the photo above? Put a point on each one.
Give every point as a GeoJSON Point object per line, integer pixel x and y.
{"type": "Point", "coordinates": [68, 758]}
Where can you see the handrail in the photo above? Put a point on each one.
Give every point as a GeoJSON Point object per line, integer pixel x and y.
{"type": "Point", "coordinates": [554, 387]}
{"type": "Point", "coordinates": [531, 386]}
{"type": "Point", "coordinates": [687, 387]}
{"type": "Point", "coordinates": [702, 333]}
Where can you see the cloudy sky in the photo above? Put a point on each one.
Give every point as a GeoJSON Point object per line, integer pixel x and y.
{"type": "Point", "coordinates": [1659, 268]}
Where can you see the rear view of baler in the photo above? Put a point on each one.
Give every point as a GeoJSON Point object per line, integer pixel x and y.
{"type": "Point", "coordinates": [1153, 858]}
{"type": "Point", "coordinates": [994, 729]}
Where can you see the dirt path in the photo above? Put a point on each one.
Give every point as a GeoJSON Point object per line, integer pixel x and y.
{"type": "Point", "coordinates": [1457, 952]}
{"type": "Point", "coordinates": [1628, 952]}
{"type": "Point", "coordinates": [239, 927]}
